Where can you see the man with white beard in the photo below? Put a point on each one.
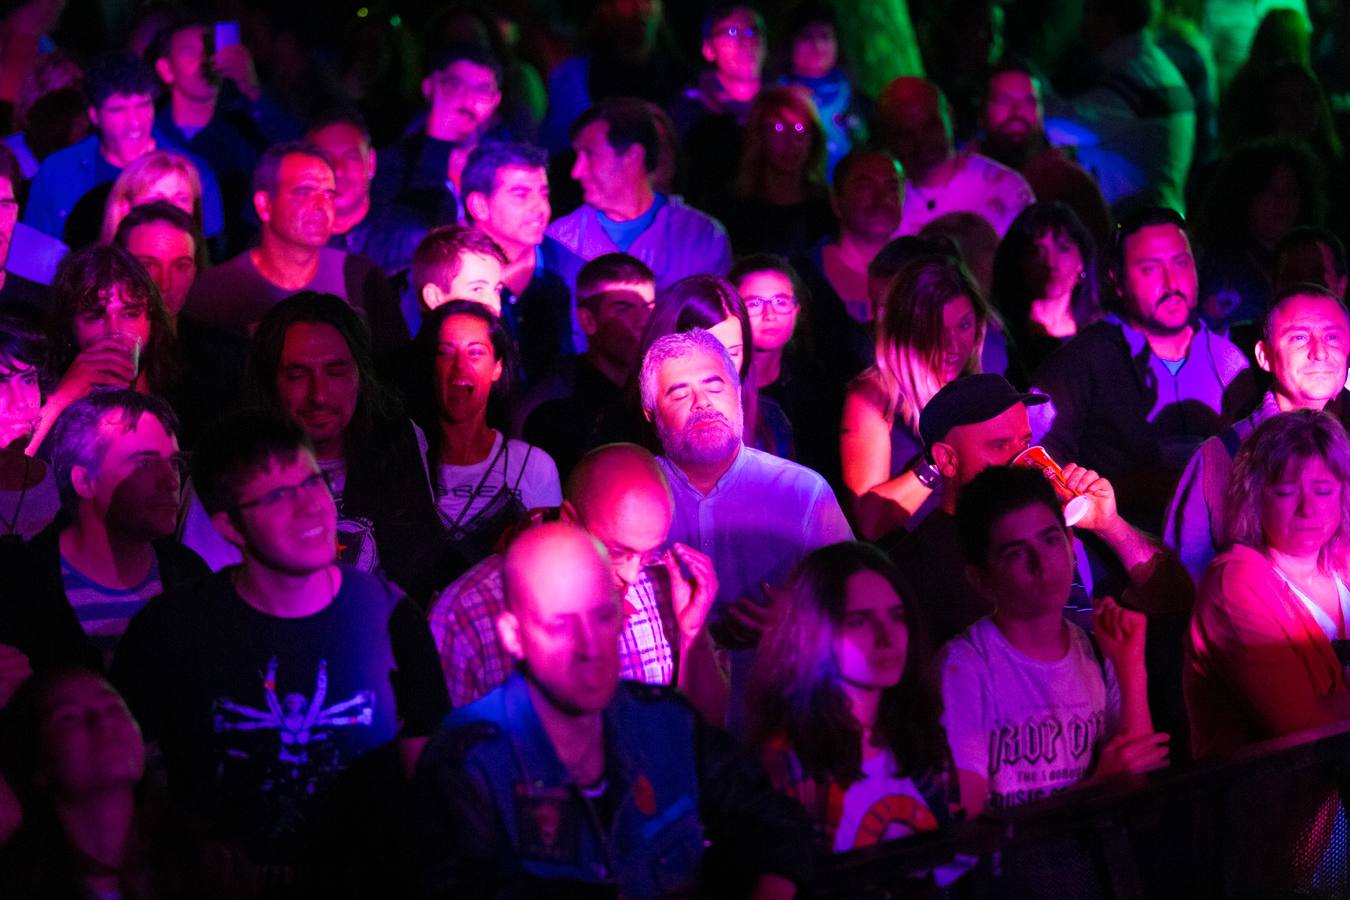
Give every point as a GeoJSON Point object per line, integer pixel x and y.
{"type": "Point", "coordinates": [754, 514]}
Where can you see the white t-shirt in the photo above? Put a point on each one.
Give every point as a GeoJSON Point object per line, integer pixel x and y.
{"type": "Point", "coordinates": [980, 185]}
{"type": "Point", "coordinates": [880, 806]}
{"type": "Point", "coordinates": [1031, 727]}
{"type": "Point", "coordinates": [528, 471]}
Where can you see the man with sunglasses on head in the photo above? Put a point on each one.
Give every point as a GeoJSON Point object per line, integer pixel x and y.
{"type": "Point", "coordinates": [618, 494]}
{"type": "Point", "coordinates": [270, 685]}
{"type": "Point", "coordinates": [111, 549]}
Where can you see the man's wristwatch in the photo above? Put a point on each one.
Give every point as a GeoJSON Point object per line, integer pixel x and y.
{"type": "Point", "coordinates": [927, 472]}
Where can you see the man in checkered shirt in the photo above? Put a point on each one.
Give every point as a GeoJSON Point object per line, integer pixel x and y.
{"type": "Point", "coordinates": [620, 495]}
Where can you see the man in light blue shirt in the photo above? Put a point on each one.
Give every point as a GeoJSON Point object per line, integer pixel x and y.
{"type": "Point", "coordinates": [755, 515]}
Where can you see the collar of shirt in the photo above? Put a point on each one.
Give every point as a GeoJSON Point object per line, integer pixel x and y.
{"type": "Point", "coordinates": [724, 483]}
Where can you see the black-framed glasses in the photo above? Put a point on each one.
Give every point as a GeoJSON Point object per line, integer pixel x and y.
{"type": "Point", "coordinates": [781, 304]}
{"type": "Point", "coordinates": [288, 494]}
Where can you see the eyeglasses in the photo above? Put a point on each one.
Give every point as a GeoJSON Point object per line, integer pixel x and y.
{"type": "Point", "coordinates": [781, 303]}
{"type": "Point", "coordinates": [740, 33]}
{"type": "Point", "coordinates": [481, 91]}
{"type": "Point", "coordinates": [277, 496]}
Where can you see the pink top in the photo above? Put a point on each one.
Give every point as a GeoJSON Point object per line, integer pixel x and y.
{"type": "Point", "coordinates": [1257, 663]}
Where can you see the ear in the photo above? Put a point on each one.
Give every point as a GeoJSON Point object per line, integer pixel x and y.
{"type": "Point", "coordinates": [82, 480]}
{"type": "Point", "coordinates": [93, 116]}
{"type": "Point", "coordinates": [432, 296]}
{"type": "Point", "coordinates": [121, 206]}
{"type": "Point", "coordinates": [975, 575]}
{"type": "Point", "coordinates": [370, 164]}
{"type": "Point", "coordinates": [477, 206]}
{"type": "Point", "coordinates": [224, 523]}
{"type": "Point", "coordinates": [508, 632]}
{"type": "Point", "coordinates": [708, 54]}
{"type": "Point", "coordinates": [1262, 355]}
{"type": "Point", "coordinates": [647, 414]}
{"type": "Point", "coordinates": [568, 513]}
{"type": "Point", "coordinates": [427, 88]}
{"type": "Point", "coordinates": [164, 71]}
{"type": "Point", "coordinates": [586, 319]}
{"type": "Point", "coordinates": [944, 457]}
{"type": "Point", "coordinates": [262, 205]}
{"type": "Point", "coordinates": [497, 372]}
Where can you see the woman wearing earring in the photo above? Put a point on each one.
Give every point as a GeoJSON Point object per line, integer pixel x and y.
{"type": "Point", "coordinates": [1045, 280]}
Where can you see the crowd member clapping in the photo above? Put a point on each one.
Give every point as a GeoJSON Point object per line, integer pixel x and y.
{"type": "Point", "coordinates": [845, 714]}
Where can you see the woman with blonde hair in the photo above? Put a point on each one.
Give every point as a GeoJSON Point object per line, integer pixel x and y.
{"type": "Point", "coordinates": [930, 329]}
{"type": "Point", "coordinates": [1266, 650]}
{"type": "Point", "coordinates": [159, 175]}
{"type": "Point", "coordinates": [780, 203]}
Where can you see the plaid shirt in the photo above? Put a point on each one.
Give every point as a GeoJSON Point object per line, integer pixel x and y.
{"type": "Point", "coordinates": [463, 623]}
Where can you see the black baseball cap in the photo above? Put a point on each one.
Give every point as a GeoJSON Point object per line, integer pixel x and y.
{"type": "Point", "coordinates": [968, 400]}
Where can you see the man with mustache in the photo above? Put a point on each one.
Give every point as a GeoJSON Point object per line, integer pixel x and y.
{"type": "Point", "coordinates": [294, 194]}
{"type": "Point", "coordinates": [754, 514]}
{"type": "Point", "coordinates": [1135, 394]}
{"type": "Point", "coordinates": [1305, 339]}
{"type": "Point", "coordinates": [423, 170]}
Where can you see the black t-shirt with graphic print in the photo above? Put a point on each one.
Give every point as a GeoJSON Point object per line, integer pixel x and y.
{"type": "Point", "coordinates": [258, 717]}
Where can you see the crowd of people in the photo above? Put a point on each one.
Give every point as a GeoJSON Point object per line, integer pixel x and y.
{"type": "Point", "coordinates": [563, 471]}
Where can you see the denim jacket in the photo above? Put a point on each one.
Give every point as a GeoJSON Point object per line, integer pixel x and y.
{"type": "Point", "coordinates": [500, 811]}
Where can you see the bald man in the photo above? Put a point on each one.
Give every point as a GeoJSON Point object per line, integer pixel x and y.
{"type": "Point", "coordinates": [620, 496]}
{"type": "Point", "coordinates": [915, 124]}
{"type": "Point", "coordinates": [563, 774]}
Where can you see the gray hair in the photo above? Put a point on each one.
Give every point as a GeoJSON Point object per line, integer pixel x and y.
{"type": "Point", "coordinates": [679, 345]}
{"type": "Point", "coordinates": [79, 439]}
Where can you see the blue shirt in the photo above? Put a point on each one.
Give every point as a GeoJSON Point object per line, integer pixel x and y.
{"type": "Point", "coordinates": [759, 520]}
{"type": "Point", "coordinates": [70, 173]}
{"type": "Point", "coordinates": [623, 234]}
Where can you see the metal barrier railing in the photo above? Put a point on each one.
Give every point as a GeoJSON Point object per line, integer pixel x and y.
{"type": "Point", "coordinates": [1265, 822]}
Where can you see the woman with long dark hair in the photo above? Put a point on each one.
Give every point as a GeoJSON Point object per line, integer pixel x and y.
{"type": "Point", "coordinates": [845, 714]}
{"type": "Point", "coordinates": [1045, 280]}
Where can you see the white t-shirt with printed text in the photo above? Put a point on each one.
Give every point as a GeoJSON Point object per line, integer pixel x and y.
{"type": "Point", "coordinates": [1031, 728]}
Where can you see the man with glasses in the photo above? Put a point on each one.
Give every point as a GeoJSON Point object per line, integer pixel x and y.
{"type": "Point", "coordinates": [620, 496]}
{"type": "Point", "coordinates": [422, 171]}
{"type": "Point", "coordinates": [265, 684]}
{"type": "Point", "coordinates": [615, 295]}
{"type": "Point", "coordinates": [710, 113]}
{"type": "Point", "coordinates": [117, 466]}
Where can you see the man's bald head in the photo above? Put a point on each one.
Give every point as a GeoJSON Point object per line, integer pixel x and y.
{"type": "Point", "coordinates": [562, 620]}
{"type": "Point", "coordinates": [553, 561]}
{"type": "Point", "coordinates": [915, 124]}
{"type": "Point", "coordinates": [620, 495]}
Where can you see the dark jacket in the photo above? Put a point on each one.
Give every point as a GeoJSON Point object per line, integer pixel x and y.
{"type": "Point", "coordinates": [500, 815]}
{"type": "Point", "coordinates": [35, 615]}
{"type": "Point", "coordinates": [1118, 409]}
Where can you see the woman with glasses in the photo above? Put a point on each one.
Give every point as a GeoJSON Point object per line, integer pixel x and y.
{"type": "Point", "coordinates": [784, 365]}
